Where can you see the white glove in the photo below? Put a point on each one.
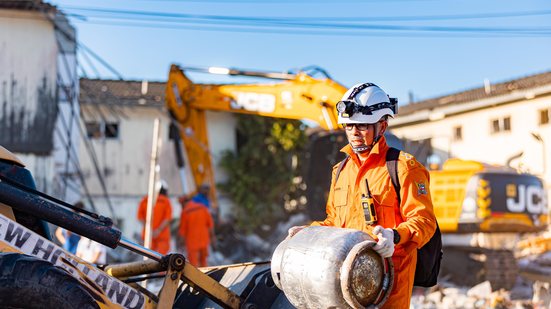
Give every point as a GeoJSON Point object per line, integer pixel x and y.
{"type": "Point", "coordinates": [295, 229]}
{"type": "Point", "coordinates": [385, 245]}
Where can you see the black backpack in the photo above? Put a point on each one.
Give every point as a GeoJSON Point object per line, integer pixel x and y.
{"type": "Point", "coordinates": [430, 255]}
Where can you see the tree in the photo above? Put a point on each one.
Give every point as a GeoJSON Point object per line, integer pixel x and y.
{"type": "Point", "coordinates": [264, 169]}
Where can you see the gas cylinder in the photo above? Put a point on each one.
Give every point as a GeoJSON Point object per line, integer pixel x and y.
{"type": "Point", "coordinates": [329, 267]}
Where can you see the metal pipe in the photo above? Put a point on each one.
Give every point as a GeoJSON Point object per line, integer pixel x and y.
{"type": "Point", "coordinates": [152, 193]}
{"type": "Point", "coordinates": [238, 72]}
{"type": "Point", "coordinates": [123, 242]}
{"type": "Point", "coordinates": [135, 268]}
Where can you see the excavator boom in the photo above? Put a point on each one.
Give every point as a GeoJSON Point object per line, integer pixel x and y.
{"type": "Point", "coordinates": [294, 96]}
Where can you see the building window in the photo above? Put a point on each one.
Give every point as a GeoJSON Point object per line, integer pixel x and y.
{"type": "Point", "coordinates": [544, 116]}
{"type": "Point", "coordinates": [501, 125]}
{"type": "Point", "coordinates": [507, 124]}
{"type": "Point", "coordinates": [101, 129]}
{"type": "Point", "coordinates": [111, 130]}
{"type": "Point", "coordinates": [495, 125]}
{"type": "Point", "coordinates": [457, 133]}
{"type": "Point", "coordinates": [93, 129]}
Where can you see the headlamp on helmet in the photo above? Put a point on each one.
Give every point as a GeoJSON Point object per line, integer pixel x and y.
{"type": "Point", "coordinates": [347, 108]}
{"type": "Point", "coordinates": [365, 103]}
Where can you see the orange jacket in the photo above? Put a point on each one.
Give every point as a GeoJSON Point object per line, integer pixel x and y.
{"type": "Point", "coordinates": [414, 219]}
{"type": "Point", "coordinates": [161, 212]}
{"type": "Point", "coordinates": [195, 225]}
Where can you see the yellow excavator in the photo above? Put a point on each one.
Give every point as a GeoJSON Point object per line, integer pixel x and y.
{"type": "Point", "coordinates": [481, 209]}
{"type": "Point", "coordinates": [298, 95]}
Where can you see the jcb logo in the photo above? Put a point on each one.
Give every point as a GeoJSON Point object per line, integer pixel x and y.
{"type": "Point", "coordinates": [524, 198]}
{"type": "Point", "coordinates": [254, 102]}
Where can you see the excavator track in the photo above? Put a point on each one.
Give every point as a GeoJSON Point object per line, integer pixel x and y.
{"type": "Point", "coordinates": [499, 267]}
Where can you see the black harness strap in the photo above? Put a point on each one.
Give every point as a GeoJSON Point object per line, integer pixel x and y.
{"type": "Point", "coordinates": [392, 166]}
{"type": "Point", "coordinates": [341, 166]}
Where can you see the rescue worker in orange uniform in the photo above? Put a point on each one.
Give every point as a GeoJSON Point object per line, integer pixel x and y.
{"type": "Point", "coordinates": [399, 229]}
{"type": "Point", "coordinates": [160, 223]}
{"type": "Point", "coordinates": [196, 231]}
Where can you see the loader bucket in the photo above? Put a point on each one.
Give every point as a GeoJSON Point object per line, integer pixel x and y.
{"type": "Point", "coordinates": [251, 281]}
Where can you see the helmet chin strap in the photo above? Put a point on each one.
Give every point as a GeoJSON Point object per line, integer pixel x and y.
{"type": "Point", "coordinates": [361, 149]}
{"type": "Point", "coordinates": [364, 148]}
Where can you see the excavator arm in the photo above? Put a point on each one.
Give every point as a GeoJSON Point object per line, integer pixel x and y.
{"type": "Point", "coordinates": [294, 96]}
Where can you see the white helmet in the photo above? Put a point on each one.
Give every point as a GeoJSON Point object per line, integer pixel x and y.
{"type": "Point", "coordinates": [365, 103]}
{"type": "Point", "coordinates": [161, 184]}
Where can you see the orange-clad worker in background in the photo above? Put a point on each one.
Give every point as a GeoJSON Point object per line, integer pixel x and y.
{"type": "Point", "coordinates": [399, 229]}
{"type": "Point", "coordinates": [196, 231]}
{"type": "Point", "coordinates": [160, 223]}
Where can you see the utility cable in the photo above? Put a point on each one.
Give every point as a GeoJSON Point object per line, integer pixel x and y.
{"type": "Point", "coordinates": [350, 26]}
{"type": "Point", "coordinates": [326, 33]}
{"type": "Point", "coordinates": [100, 60]}
{"type": "Point", "coordinates": [90, 63]}
{"type": "Point", "coordinates": [308, 18]}
{"type": "Point", "coordinates": [297, 23]}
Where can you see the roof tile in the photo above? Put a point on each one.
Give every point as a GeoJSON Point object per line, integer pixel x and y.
{"type": "Point", "coordinates": [475, 94]}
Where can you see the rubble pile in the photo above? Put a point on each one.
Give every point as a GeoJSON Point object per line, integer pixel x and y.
{"type": "Point", "coordinates": [525, 294]}
{"type": "Point", "coordinates": [536, 266]}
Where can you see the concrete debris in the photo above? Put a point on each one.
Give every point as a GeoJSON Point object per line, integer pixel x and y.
{"type": "Point", "coordinates": [235, 247]}
{"type": "Point", "coordinates": [542, 295]}
{"type": "Point", "coordinates": [481, 290]}
{"type": "Point", "coordinates": [254, 242]}
{"type": "Point", "coordinates": [434, 297]}
{"type": "Point", "coordinates": [545, 259]}
{"type": "Point", "coordinates": [536, 267]}
{"type": "Point", "coordinates": [535, 295]}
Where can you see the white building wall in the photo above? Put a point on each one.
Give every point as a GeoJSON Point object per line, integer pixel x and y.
{"type": "Point", "coordinates": [124, 161]}
{"type": "Point", "coordinates": [221, 126]}
{"type": "Point", "coordinates": [30, 64]}
{"type": "Point", "coordinates": [478, 143]}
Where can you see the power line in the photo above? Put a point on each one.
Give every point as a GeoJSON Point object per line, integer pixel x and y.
{"type": "Point", "coordinates": [286, 2]}
{"type": "Point", "coordinates": [331, 32]}
{"type": "Point", "coordinates": [87, 59]}
{"type": "Point", "coordinates": [307, 18]}
{"type": "Point", "coordinates": [100, 60]}
{"type": "Point", "coordinates": [289, 23]}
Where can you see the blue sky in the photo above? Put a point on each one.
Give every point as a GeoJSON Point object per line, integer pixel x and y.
{"type": "Point", "coordinates": [428, 64]}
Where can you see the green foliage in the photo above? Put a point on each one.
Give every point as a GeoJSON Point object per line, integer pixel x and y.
{"type": "Point", "coordinates": [261, 173]}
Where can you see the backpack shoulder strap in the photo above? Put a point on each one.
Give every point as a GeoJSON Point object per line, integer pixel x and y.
{"type": "Point", "coordinates": [341, 166]}
{"type": "Point", "coordinates": [392, 166]}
